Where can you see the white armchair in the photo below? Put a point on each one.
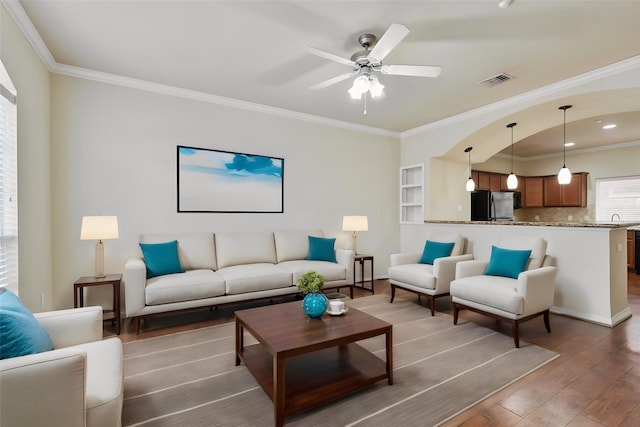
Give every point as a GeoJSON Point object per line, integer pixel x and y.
{"type": "Point", "coordinates": [432, 280]}
{"type": "Point", "coordinates": [514, 300]}
{"type": "Point", "coordinates": [79, 383]}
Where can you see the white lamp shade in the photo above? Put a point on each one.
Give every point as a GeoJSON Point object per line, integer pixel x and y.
{"type": "Point", "coordinates": [471, 185]}
{"type": "Point", "coordinates": [512, 181]}
{"type": "Point", "coordinates": [99, 228]}
{"type": "Point", "coordinates": [564, 176]}
{"type": "Point", "coordinates": [355, 223]}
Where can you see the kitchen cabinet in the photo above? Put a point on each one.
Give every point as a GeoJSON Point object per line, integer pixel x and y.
{"type": "Point", "coordinates": [412, 194]}
{"type": "Point", "coordinates": [489, 181]}
{"type": "Point", "coordinates": [533, 190]}
{"type": "Point", "coordinates": [573, 194]}
{"type": "Point", "coordinates": [494, 182]}
{"type": "Point", "coordinates": [484, 181]}
{"type": "Point", "coordinates": [631, 249]}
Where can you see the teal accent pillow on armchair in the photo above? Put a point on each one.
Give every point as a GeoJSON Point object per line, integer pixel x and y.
{"type": "Point", "coordinates": [20, 331]}
{"type": "Point", "coordinates": [433, 250]}
{"type": "Point", "coordinates": [161, 258]}
{"type": "Point", "coordinates": [321, 249]}
{"type": "Point", "coordinates": [507, 262]}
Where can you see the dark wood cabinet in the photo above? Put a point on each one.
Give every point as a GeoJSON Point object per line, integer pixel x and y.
{"type": "Point", "coordinates": [533, 190]}
{"type": "Point", "coordinates": [631, 249]}
{"type": "Point", "coordinates": [484, 181]}
{"type": "Point", "coordinates": [494, 182]}
{"type": "Point", "coordinates": [573, 194]}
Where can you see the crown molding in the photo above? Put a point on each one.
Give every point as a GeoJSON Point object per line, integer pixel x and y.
{"type": "Point", "coordinates": [19, 16]}
{"type": "Point", "coordinates": [606, 71]}
{"type": "Point", "coordinates": [571, 152]}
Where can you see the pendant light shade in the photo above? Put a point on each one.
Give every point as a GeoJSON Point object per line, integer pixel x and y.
{"type": "Point", "coordinates": [512, 179]}
{"type": "Point", "coordinates": [471, 185]}
{"type": "Point", "coordinates": [564, 175]}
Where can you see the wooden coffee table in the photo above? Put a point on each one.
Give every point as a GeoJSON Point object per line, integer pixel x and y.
{"type": "Point", "coordinates": [302, 362]}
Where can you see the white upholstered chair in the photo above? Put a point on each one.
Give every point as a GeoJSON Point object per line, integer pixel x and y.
{"type": "Point", "coordinates": [512, 299]}
{"type": "Point", "coordinates": [79, 383]}
{"type": "Point", "coordinates": [432, 280]}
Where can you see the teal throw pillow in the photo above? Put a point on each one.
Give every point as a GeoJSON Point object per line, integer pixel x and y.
{"type": "Point", "coordinates": [321, 249]}
{"type": "Point", "coordinates": [161, 258]}
{"type": "Point", "coordinates": [20, 332]}
{"type": "Point", "coordinates": [507, 262]}
{"type": "Point", "coordinates": [433, 250]}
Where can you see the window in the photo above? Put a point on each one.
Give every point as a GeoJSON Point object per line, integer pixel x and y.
{"type": "Point", "coordinates": [8, 184]}
{"type": "Point", "coordinates": [618, 196]}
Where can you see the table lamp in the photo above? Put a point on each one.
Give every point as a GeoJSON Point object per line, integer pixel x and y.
{"type": "Point", "coordinates": [99, 228]}
{"type": "Point", "coordinates": [355, 223]}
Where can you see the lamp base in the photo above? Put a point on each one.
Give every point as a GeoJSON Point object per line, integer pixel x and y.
{"type": "Point", "coordinates": [100, 260]}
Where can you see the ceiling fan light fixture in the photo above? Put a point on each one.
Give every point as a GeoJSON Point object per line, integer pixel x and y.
{"type": "Point", "coordinates": [376, 88]}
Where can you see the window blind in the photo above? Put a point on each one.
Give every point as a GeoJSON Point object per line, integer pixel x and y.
{"type": "Point", "coordinates": [618, 196]}
{"type": "Point", "coordinates": [8, 190]}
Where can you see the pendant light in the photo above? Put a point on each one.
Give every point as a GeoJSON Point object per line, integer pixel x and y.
{"type": "Point", "coordinates": [512, 179]}
{"type": "Point", "coordinates": [471, 185]}
{"type": "Point", "coordinates": [564, 175]}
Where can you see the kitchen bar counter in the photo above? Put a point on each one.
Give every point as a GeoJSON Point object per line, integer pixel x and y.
{"type": "Point", "coordinates": [630, 225]}
{"type": "Point", "coordinates": [591, 283]}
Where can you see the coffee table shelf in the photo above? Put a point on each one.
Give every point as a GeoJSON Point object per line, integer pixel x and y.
{"type": "Point", "coordinates": [316, 378]}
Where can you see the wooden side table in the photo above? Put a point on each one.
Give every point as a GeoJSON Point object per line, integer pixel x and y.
{"type": "Point", "coordinates": [360, 258]}
{"type": "Point", "coordinates": [110, 279]}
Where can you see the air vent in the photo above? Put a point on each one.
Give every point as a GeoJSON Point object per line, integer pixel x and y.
{"type": "Point", "coordinates": [496, 80]}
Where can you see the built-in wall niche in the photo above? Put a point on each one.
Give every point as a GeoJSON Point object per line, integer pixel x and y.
{"type": "Point", "coordinates": [412, 194]}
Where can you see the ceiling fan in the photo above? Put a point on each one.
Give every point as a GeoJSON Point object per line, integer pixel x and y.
{"type": "Point", "coordinates": [365, 62]}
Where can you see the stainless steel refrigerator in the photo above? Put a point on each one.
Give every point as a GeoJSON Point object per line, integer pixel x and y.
{"type": "Point", "coordinates": [492, 205]}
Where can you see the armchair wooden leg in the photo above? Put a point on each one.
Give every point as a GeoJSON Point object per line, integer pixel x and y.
{"type": "Point", "coordinates": [516, 335]}
{"type": "Point", "coordinates": [546, 321]}
{"type": "Point", "coordinates": [351, 291]}
{"type": "Point", "coordinates": [393, 293]}
{"type": "Point", "coordinates": [432, 300]}
{"type": "Point", "coordinates": [455, 314]}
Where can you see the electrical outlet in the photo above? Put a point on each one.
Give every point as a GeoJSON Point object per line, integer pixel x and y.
{"type": "Point", "coordinates": [459, 208]}
{"type": "Point", "coordinates": [619, 247]}
{"type": "Point", "coordinates": [537, 217]}
{"type": "Point", "coordinates": [569, 217]}
{"type": "Point", "coordinates": [42, 301]}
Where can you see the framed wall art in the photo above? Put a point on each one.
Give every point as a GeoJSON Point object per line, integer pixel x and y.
{"type": "Point", "coordinates": [224, 181]}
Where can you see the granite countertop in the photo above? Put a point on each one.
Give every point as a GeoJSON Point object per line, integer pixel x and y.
{"type": "Point", "coordinates": [628, 225]}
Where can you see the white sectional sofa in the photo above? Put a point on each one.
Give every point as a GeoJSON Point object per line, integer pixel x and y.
{"type": "Point", "coordinates": [229, 267]}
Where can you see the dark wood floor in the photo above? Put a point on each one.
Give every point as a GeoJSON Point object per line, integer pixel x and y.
{"type": "Point", "coordinates": [594, 382]}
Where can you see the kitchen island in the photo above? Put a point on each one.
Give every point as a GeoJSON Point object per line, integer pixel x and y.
{"type": "Point", "coordinates": [591, 283]}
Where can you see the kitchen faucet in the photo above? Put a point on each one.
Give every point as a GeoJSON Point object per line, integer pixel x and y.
{"type": "Point", "coordinates": [615, 215]}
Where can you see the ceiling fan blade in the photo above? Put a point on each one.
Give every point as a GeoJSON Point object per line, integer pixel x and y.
{"type": "Point", "coordinates": [329, 56]}
{"type": "Point", "coordinates": [390, 39]}
{"type": "Point", "coordinates": [411, 70]}
{"type": "Point", "coordinates": [332, 81]}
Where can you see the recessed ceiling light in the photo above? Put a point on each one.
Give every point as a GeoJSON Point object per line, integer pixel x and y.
{"type": "Point", "coordinates": [504, 3]}
{"type": "Point", "coordinates": [569, 144]}
{"type": "Point", "coordinates": [611, 126]}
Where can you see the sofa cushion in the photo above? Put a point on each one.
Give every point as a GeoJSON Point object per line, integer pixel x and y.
{"type": "Point", "coordinates": [507, 262]}
{"type": "Point", "coordinates": [195, 250]}
{"type": "Point", "coordinates": [104, 382]}
{"type": "Point", "coordinates": [446, 237]}
{"type": "Point", "coordinates": [420, 275]}
{"type": "Point", "coordinates": [254, 277]}
{"type": "Point", "coordinates": [493, 291]}
{"type": "Point", "coordinates": [321, 249]}
{"type": "Point", "coordinates": [244, 248]}
{"type": "Point", "coordinates": [161, 258]}
{"type": "Point", "coordinates": [329, 270]}
{"type": "Point", "coordinates": [538, 247]}
{"type": "Point", "coordinates": [433, 250]}
{"type": "Point", "coordinates": [20, 332]}
{"type": "Point", "coordinates": [292, 245]}
{"type": "Point", "coordinates": [187, 286]}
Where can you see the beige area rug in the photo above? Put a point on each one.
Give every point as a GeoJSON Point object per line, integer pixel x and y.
{"type": "Point", "coordinates": [190, 378]}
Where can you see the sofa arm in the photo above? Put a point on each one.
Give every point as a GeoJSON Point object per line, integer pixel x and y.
{"type": "Point", "coordinates": [470, 268]}
{"type": "Point", "coordinates": [72, 326]}
{"type": "Point", "coordinates": [346, 258]}
{"type": "Point", "coordinates": [135, 282]}
{"type": "Point", "coordinates": [44, 389]}
{"type": "Point", "coordinates": [444, 270]}
{"type": "Point", "coordinates": [401, 259]}
{"type": "Point", "coordinates": [537, 288]}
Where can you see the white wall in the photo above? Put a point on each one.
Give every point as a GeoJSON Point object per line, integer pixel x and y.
{"type": "Point", "coordinates": [31, 80]}
{"type": "Point", "coordinates": [114, 153]}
